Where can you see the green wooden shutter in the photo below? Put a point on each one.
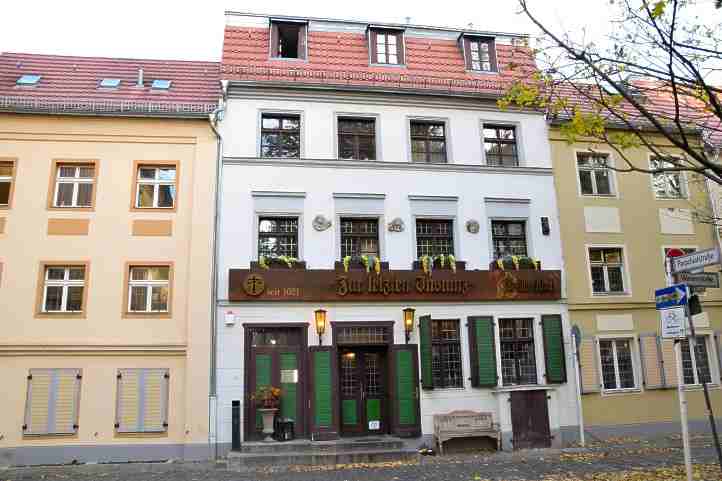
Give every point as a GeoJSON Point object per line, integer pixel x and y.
{"type": "Point", "coordinates": [324, 412]}
{"type": "Point", "coordinates": [482, 351]}
{"type": "Point", "coordinates": [406, 418]}
{"type": "Point", "coordinates": [427, 372]}
{"type": "Point", "coordinates": [289, 394]}
{"type": "Point", "coordinates": [555, 361]}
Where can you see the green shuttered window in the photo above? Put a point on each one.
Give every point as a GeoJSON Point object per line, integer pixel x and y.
{"type": "Point", "coordinates": [427, 369]}
{"type": "Point", "coordinates": [405, 388]}
{"type": "Point", "coordinates": [554, 349]}
{"type": "Point", "coordinates": [482, 351]}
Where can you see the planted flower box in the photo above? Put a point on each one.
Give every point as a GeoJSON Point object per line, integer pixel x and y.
{"type": "Point", "coordinates": [460, 265]}
{"type": "Point", "coordinates": [512, 263]}
{"type": "Point", "coordinates": [278, 264]}
{"type": "Point", "coordinates": [358, 265]}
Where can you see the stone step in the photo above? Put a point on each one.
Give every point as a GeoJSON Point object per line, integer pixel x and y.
{"type": "Point", "coordinates": [238, 461]}
{"type": "Point", "coordinates": [306, 446]}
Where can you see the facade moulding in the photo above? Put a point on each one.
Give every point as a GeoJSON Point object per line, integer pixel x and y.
{"type": "Point", "coordinates": [92, 350]}
{"type": "Point", "coordinates": [387, 165]}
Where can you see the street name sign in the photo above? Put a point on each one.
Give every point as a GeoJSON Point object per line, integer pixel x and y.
{"type": "Point", "coordinates": [695, 260]}
{"type": "Point", "coordinates": [672, 296]}
{"type": "Point", "coordinates": [698, 279]}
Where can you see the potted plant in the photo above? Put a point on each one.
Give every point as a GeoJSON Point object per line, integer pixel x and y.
{"type": "Point", "coordinates": [516, 263]}
{"type": "Point", "coordinates": [268, 400]}
{"type": "Point", "coordinates": [265, 262]}
{"type": "Point", "coordinates": [368, 263]}
{"type": "Point", "coordinates": [440, 261]}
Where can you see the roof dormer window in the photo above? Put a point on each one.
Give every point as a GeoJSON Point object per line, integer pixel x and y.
{"type": "Point", "coordinates": [288, 40]}
{"type": "Point", "coordinates": [28, 80]}
{"type": "Point", "coordinates": [386, 46]}
{"type": "Point", "coordinates": [109, 83]}
{"type": "Point", "coordinates": [160, 84]}
{"type": "Point", "coordinates": [479, 53]}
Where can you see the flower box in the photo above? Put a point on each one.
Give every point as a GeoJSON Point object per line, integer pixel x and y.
{"type": "Point", "coordinates": [508, 264]}
{"type": "Point", "coordinates": [277, 264]}
{"type": "Point", "coordinates": [460, 265]}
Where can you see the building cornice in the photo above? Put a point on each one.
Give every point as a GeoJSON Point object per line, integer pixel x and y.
{"type": "Point", "coordinates": [13, 350]}
{"type": "Point", "coordinates": [387, 165]}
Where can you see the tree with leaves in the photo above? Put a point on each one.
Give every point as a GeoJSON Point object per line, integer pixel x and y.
{"type": "Point", "coordinates": [649, 84]}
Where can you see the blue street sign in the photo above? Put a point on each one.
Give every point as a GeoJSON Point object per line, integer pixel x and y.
{"type": "Point", "coordinates": [672, 296]}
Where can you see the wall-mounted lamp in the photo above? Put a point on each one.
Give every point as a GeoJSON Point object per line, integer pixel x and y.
{"type": "Point", "coordinates": [320, 318]}
{"type": "Point", "coordinates": [408, 322]}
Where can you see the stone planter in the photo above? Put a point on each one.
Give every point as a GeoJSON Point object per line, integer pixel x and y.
{"type": "Point", "coordinates": [268, 416]}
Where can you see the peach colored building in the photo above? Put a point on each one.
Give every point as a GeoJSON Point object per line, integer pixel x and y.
{"type": "Point", "coordinates": [107, 190]}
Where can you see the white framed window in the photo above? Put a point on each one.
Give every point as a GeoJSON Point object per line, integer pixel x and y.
{"type": "Point", "coordinates": [148, 288]}
{"type": "Point", "coordinates": [7, 174]}
{"type": "Point", "coordinates": [618, 367]}
{"type": "Point", "coordinates": [696, 369]}
{"type": "Point", "coordinates": [595, 178]}
{"type": "Point", "coordinates": [667, 185]}
{"type": "Point", "coordinates": [63, 289]}
{"type": "Point", "coordinates": [74, 185]}
{"type": "Point", "coordinates": [155, 187]}
{"type": "Point", "coordinates": [606, 266]}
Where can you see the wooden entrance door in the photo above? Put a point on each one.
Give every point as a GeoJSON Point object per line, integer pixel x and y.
{"type": "Point", "coordinates": [274, 358]}
{"type": "Point", "coordinates": [530, 419]}
{"type": "Point", "coordinates": [362, 382]}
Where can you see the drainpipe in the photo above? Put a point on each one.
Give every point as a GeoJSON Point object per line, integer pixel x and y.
{"type": "Point", "coordinates": [214, 119]}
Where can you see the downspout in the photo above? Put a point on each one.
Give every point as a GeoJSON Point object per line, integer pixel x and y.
{"type": "Point", "coordinates": [214, 119]}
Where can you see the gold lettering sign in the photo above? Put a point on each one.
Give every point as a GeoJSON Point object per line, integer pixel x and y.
{"type": "Point", "coordinates": [387, 285]}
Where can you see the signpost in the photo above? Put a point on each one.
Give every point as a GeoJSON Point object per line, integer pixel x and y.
{"type": "Point", "coordinates": [676, 319]}
{"type": "Point", "coordinates": [695, 260]}
{"type": "Point", "coordinates": [698, 279]}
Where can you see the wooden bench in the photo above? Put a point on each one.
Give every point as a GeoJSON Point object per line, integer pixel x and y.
{"type": "Point", "coordinates": [464, 424]}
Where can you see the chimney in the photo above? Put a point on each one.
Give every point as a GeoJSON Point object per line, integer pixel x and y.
{"type": "Point", "coordinates": [140, 77]}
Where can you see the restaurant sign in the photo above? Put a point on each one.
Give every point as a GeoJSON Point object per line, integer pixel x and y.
{"type": "Point", "coordinates": [395, 285]}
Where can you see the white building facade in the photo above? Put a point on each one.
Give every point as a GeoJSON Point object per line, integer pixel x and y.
{"type": "Point", "coordinates": [344, 203]}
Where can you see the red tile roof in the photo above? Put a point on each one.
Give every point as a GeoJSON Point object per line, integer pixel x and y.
{"type": "Point", "coordinates": [71, 84]}
{"type": "Point", "coordinates": [342, 59]}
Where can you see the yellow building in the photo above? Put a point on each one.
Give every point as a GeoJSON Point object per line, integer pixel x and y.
{"type": "Point", "coordinates": [106, 221]}
{"type": "Point", "coordinates": [616, 228]}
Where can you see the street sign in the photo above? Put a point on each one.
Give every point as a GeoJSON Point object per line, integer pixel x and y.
{"type": "Point", "coordinates": [672, 296]}
{"type": "Point", "coordinates": [674, 322]}
{"type": "Point", "coordinates": [698, 279]}
{"type": "Point", "coordinates": [695, 260]}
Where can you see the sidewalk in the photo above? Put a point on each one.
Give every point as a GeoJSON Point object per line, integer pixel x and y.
{"type": "Point", "coordinates": [618, 460]}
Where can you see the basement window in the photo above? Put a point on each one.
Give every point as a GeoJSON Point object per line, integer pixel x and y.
{"type": "Point", "coordinates": [288, 40]}
{"type": "Point", "coordinates": [28, 80]}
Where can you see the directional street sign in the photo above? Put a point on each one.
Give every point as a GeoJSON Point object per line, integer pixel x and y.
{"type": "Point", "coordinates": [699, 279]}
{"type": "Point", "coordinates": [695, 260]}
{"type": "Point", "coordinates": [674, 322]}
{"type": "Point", "coordinates": [672, 296]}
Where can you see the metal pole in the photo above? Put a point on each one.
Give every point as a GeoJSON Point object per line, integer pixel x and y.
{"type": "Point", "coordinates": [680, 386]}
{"type": "Point", "coordinates": [580, 414]}
{"type": "Point", "coordinates": [708, 404]}
{"type": "Point", "coordinates": [683, 410]}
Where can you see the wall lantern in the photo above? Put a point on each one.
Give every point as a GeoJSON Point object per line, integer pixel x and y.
{"type": "Point", "coordinates": [408, 322]}
{"type": "Point", "coordinates": [320, 317]}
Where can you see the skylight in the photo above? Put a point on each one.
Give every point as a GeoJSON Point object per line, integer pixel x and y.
{"type": "Point", "coordinates": [110, 83]}
{"type": "Point", "coordinates": [161, 84]}
{"type": "Point", "coordinates": [28, 80]}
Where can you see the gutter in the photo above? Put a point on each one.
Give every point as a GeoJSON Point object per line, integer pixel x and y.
{"type": "Point", "coordinates": [214, 118]}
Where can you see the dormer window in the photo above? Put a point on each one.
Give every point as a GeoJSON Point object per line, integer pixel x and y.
{"type": "Point", "coordinates": [386, 46]}
{"type": "Point", "coordinates": [288, 40]}
{"type": "Point", "coordinates": [28, 80]}
{"type": "Point", "coordinates": [109, 83]}
{"type": "Point", "coordinates": [480, 54]}
{"type": "Point", "coordinates": [159, 84]}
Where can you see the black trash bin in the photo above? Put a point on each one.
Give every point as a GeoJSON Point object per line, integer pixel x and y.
{"type": "Point", "coordinates": [285, 430]}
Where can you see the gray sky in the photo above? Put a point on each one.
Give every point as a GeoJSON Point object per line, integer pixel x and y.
{"type": "Point", "coordinates": [185, 29]}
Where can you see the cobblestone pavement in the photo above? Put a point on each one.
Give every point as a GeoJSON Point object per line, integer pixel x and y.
{"type": "Point", "coordinates": [628, 460]}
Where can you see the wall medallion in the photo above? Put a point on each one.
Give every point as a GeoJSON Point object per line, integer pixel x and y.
{"type": "Point", "coordinates": [320, 223]}
{"type": "Point", "coordinates": [254, 285]}
{"type": "Point", "coordinates": [472, 226]}
{"type": "Point", "coordinates": [396, 225]}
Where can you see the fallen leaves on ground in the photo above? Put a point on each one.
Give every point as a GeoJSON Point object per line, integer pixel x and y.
{"type": "Point", "coordinates": [701, 472]}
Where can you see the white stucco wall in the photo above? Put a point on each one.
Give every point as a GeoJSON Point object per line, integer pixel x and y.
{"type": "Point", "coordinates": [306, 187]}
